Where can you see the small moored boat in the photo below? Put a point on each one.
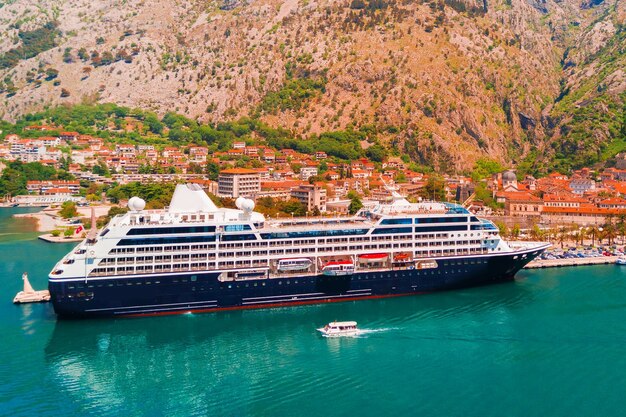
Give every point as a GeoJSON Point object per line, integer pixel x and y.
{"type": "Point", "coordinates": [621, 260]}
{"type": "Point", "coordinates": [340, 328]}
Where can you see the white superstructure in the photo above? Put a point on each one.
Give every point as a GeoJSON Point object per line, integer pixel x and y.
{"type": "Point", "coordinates": [193, 234]}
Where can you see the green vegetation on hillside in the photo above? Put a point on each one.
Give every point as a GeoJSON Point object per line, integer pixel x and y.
{"type": "Point", "coordinates": [292, 95]}
{"type": "Point", "coordinates": [16, 174]}
{"type": "Point", "coordinates": [157, 195]}
{"type": "Point", "coordinates": [112, 123]}
{"type": "Point", "coordinates": [593, 118]}
{"type": "Point", "coordinates": [33, 43]}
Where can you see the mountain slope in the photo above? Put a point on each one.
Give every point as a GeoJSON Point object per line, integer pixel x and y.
{"type": "Point", "coordinates": [448, 82]}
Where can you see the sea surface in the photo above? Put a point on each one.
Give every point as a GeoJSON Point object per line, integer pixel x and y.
{"type": "Point", "coordinates": [552, 343]}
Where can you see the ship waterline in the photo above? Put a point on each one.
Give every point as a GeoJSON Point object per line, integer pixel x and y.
{"type": "Point", "coordinates": [197, 257]}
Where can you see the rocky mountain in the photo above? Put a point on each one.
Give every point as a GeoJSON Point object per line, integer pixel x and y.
{"type": "Point", "coordinates": [526, 82]}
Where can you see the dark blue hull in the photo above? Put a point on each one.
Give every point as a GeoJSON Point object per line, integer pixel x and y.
{"type": "Point", "coordinates": [202, 291]}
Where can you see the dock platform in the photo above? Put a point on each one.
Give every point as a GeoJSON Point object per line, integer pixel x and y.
{"type": "Point", "coordinates": [556, 263]}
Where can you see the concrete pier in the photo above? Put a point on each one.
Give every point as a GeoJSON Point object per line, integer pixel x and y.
{"type": "Point", "coordinates": [553, 263]}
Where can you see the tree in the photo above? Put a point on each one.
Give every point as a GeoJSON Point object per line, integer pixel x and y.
{"type": "Point", "coordinates": [376, 153]}
{"type": "Point", "coordinates": [593, 231]}
{"type": "Point", "coordinates": [536, 233]}
{"type": "Point", "coordinates": [294, 207]}
{"type": "Point", "coordinates": [56, 233]}
{"type": "Point", "coordinates": [355, 204]}
{"type": "Point", "coordinates": [621, 226]}
{"type": "Point", "coordinates": [51, 74]}
{"type": "Point", "coordinates": [434, 189]}
{"type": "Point", "coordinates": [68, 232]}
{"type": "Point", "coordinates": [485, 167]}
{"type": "Point", "coordinates": [68, 210]}
{"type": "Point", "coordinates": [212, 170]}
{"type": "Point", "coordinates": [316, 211]}
{"type": "Point", "coordinates": [515, 230]}
{"type": "Point", "coordinates": [610, 231]}
{"type": "Point", "coordinates": [154, 124]}
{"type": "Point", "coordinates": [562, 235]}
{"type": "Point", "coordinates": [194, 168]}
{"type": "Point", "coordinates": [101, 169]}
{"type": "Point", "coordinates": [502, 228]}
{"type": "Point", "coordinates": [67, 56]}
{"type": "Point", "coordinates": [82, 54]}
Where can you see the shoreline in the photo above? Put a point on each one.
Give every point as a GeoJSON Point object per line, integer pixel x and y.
{"type": "Point", "coordinates": [48, 220]}
{"type": "Point", "coordinates": [45, 221]}
{"type": "Point", "coordinates": [60, 239]}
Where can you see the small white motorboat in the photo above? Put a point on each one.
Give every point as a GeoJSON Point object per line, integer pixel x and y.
{"type": "Point", "coordinates": [29, 295]}
{"type": "Point", "coordinates": [340, 328]}
{"type": "Point", "coordinates": [621, 260]}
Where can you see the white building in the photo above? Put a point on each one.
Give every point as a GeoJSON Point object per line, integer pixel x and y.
{"type": "Point", "coordinates": [238, 182]}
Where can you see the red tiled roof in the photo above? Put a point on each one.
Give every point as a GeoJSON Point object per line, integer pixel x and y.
{"type": "Point", "coordinates": [238, 171]}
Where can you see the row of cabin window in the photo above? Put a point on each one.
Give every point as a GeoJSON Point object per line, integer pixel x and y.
{"type": "Point", "coordinates": [249, 236]}
{"type": "Point", "coordinates": [210, 256]}
{"type": "Point", "coordinates": [244, 263]}
{"type": "Point", "coordinates": [428, 220]}
{"type": "Point", "coordinates": [143, 269]}
{"type": "Point", "coordinates": [149, 249]}
{"type": "Point", "coordinates": [169, 258]}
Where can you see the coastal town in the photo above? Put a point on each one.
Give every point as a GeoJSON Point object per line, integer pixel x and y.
{"type": "Point", "coordinates": [322, 185]}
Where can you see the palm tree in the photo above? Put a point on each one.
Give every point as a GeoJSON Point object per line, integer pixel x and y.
{"type": "Point", "coordinates": [582, 234]}
{"type": "Point", "coordinates": [593, 231]}
{"type": "Point", "coordinates": [610, 232]}
{"type": "Point", "coordinates": [621, 225]}
{"type": "Point", "coordinates": [562, 235]}
{"type": "Point", "coordinates": [536, 233]}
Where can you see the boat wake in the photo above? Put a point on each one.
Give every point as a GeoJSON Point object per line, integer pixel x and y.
{"type": "Point", "coordinates": [362, 333]}
{"type": "Point", "coordinates": [365, 332]}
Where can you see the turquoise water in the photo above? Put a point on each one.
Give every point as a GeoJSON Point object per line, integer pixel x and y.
{"type": "Point", "coordinates": [551, 343]}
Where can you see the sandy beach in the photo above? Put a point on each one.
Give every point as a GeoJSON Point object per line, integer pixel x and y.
{"type": "Point", "coordinates": [46, 222]}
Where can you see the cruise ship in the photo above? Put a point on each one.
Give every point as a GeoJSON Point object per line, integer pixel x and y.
{"type": "Point", "coordinates": [196, 257]}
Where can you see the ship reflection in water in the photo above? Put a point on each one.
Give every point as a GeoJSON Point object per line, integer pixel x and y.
{"type": "Point", "coordinates": [230, 363]}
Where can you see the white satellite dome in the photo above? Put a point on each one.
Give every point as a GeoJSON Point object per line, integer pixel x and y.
{"type": "Point", "coordinates": [239, 202]}
{"type": "Point", "coordinates": [136, 204]}
{"type": "Point", "coordinates": [247, 205]}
